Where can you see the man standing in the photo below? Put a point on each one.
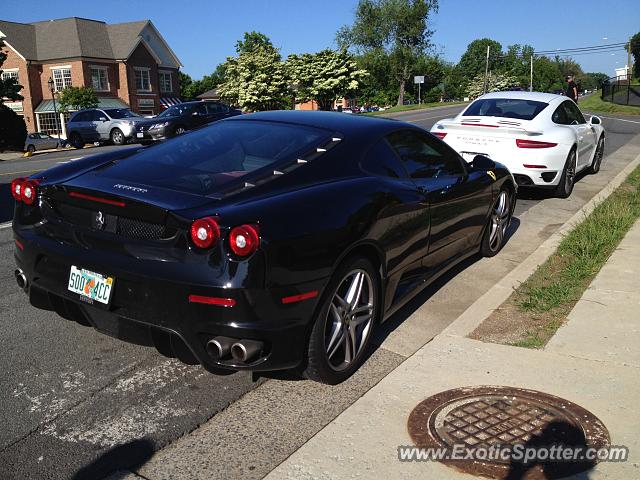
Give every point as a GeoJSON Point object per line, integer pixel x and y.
{"type": "Point", "coordinates": [572, 89]}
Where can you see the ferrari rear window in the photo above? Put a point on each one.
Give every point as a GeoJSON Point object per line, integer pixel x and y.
{"type": "Point", "coordinates": [203, 160]}
{"type": "Point", "coordinates": [505, 107]}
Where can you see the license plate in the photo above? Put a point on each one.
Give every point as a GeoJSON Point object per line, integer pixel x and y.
{"type": "Point", "coordinates": [89, 285]}
{"type": "Point", "coordinates": [140, 135]}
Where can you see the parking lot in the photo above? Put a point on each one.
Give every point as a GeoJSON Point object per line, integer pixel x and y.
{"type": "Point", "coordinates": [75, 395]}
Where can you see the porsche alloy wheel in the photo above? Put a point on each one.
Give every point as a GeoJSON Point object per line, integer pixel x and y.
{"type": "Point", "coordinates": [568, 178]}
{"type": "Point", "coordinates": [499, 220]}
{"type": "Point", "coordinates": [597, 157]}
{"type": "Point", "coordinates": [343, 327]}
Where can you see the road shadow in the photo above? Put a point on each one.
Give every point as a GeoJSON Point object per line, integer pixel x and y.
{"type": "Point", "coordinates": [537, 193]}
{"type": "Point", "coordinates": [555, 434]}
{"type": "Point", "coordinates": [129, 456]}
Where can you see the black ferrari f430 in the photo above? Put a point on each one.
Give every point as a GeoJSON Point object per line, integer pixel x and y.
{"type": "Point", "coordinates": [268, 241]}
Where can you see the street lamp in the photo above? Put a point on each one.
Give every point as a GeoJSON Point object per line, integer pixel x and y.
{"type": "Point", "coordinates": [52, 89]}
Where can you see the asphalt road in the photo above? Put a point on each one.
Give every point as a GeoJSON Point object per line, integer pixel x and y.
{"type": "Point", "coordinates": [70, 395]}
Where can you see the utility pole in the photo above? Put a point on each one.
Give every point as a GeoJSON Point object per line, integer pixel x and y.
{"type": "Point", "coordinates": [531, 75]}
{"type": "Point", "coordinates": [629, 70]}
{"type": "Point", "coordinates": [486, 71]}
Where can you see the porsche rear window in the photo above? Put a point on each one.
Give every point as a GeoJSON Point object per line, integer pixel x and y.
{"type": "Point", "coordinates": [505, 107]}
{"type": "Point", "coordinates": [203, 160]}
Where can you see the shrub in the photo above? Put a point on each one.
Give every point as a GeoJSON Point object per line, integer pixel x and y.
{"type": "Point", "coordinates": [13, 130]}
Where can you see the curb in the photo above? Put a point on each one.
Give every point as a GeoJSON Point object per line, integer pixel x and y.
{"type": "Point", "coordinates": [480, 310]}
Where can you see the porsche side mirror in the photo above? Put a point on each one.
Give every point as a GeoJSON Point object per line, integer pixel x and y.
{"type": "Point", "coordinates": [103, 119]}
{"type": "Point", "coordinates": [480, 162]}
{"type": "Point", "coordinates": [594, 120]}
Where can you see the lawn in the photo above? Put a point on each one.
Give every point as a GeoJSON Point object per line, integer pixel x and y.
{"type": "Point", "coordinates": [540, 305]}
{"type": "Point", "coordinates": [407, 108]}
{"type": "Point", "coordinates": [593, 103]}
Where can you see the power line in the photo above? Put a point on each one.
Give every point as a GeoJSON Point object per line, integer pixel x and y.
{"type": "Point", "coordinates": [596, 47]}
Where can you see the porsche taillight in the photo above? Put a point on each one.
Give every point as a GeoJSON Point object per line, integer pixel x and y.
{"type": "Point", "coordinates": [525, 143]}
{"type": "Point", "coordinates": [440, 135]}
{"type": "Point", "coordinates": [244, 240]}
{"type": "Point", "coordinates": [205, 232]}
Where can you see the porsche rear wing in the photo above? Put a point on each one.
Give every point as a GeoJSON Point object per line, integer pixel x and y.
{"type": "Point", "coordinates": [488, 125]}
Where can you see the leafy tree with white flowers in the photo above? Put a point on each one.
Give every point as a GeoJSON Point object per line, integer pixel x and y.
{"type": "Point", "coordinates": [324, 76]}
{"type": "Point", "coordinates": [496, 82]}
{"type": "Point", "coordinates": [257, 78]}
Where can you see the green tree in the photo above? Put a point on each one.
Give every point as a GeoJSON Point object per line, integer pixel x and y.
{"type": "Point", "coordinates": [546, 75]}
{"type": "Point", "coordinates": [473, 61]}
{"type": "Point", "coordinates": [9, 87]}
{"type": "Point", "coordinates": [209, 82]}
{"type": "Point", "coordinates": [252, 40]}
{"type": "Point", "coordinates": [256, 79]}
{"type": "Point", "coordinates": [78, 98]}
{"type": "Point", "coordinates": [635, 51]}
{"type": "Point", "coordinates": [397, 27]}
{"type": "Point", "coordinates": [13, 130]}
{"type": "Point", "coordinates": [324, 76]}
{"type": "Point", "coordinates": [184, 81]}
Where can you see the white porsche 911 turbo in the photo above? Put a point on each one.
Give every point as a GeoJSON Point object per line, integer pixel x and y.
{"type": "Point", "coordinates": [542, 138]}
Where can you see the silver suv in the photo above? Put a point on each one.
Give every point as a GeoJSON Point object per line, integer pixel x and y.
{"type": "Point", "coordinates": [95, 125]}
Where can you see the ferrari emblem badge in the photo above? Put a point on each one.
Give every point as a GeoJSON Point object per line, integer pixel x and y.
{"type": "Point", "coordinates": [491, 174]}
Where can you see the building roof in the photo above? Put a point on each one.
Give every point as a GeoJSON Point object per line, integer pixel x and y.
{"type": "Point", "coordinates": [209, 94]}
{"type": "Point", "coordinates": [74, 37]}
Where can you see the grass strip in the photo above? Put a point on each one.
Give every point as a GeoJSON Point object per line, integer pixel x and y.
{"type": "Point", "coordinates": [540, 305]}
{"type": "Point", "coordinates": [421, 106]}
{"type": "Point", "coordinates": [593, 103]}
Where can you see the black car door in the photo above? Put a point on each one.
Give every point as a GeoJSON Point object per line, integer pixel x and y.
{"type": "Point", "coordinates": [402, 220]}
{"type": "Point", "coordinates": [458, 196]}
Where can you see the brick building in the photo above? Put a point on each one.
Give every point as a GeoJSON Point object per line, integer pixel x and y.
{"type": "Point", "coordinates": [127, 64]}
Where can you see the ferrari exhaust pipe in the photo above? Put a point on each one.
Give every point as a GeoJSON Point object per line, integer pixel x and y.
{"type": "Point", "coordinates": [246, 350]}
{"type": "Point", "coordinates": [220, 347]}
{"type": "Point", "coordinates": [21, 278]}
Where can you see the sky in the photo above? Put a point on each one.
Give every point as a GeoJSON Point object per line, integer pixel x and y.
{"type": "Point", "coordinates": [203, 33]}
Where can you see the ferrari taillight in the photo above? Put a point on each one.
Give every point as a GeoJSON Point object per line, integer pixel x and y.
{"type": "Point", "coordinates": [440, 135]}
{"type": "Point", "coordinates": [16, 188]}
{"type": "Point", "coordinates": [244, 240]}
{"type": "Point", "coordinates": [29, 191]}
{"type": "Point", "coordinates": [205, 232]}
{"type": "Point", "coordinates": [525, 143]}
{"type": "Point", "coordinates": [24, 190]}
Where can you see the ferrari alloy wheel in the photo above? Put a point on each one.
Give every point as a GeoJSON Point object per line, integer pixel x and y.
{"type": "Point", "coordinates": [343, 327]}
{"type": "Point", "coordinates": [496, 230]}
{"type": "Point", "coordinates": [597, 157]}
{"type": "Point", "coordinates": [568, 178]}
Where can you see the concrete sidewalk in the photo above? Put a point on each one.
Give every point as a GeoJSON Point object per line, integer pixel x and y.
{"type": "Point", "coordinates": [593, 360]}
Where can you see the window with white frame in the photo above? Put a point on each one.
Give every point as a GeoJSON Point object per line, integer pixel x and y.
{"type": "Point", "coordinates": [7, 74]}
{"type": "Point", "coordinates": [61, 78]}
{"type": "Point", "coordinates": [165, 82]}
{"type": "Point", "coordinates": [99, 78]}
{"type": "Point", "coordinates": [143, 80]}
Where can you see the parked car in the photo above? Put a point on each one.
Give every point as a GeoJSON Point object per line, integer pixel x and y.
{"type": "Point", "coordinates": [179, 118]}
{"type": "Point", "coordinates": [116, 125]}
{"type": "Point", "coordinates": [42, 141]}
{"type": "Point", "coordinates": [542, 138]}
{"type": "Point", "coordinates": [278, 240]}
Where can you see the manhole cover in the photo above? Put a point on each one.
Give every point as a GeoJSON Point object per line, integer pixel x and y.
{"type": "Point", "coordinates": [488, 431]}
